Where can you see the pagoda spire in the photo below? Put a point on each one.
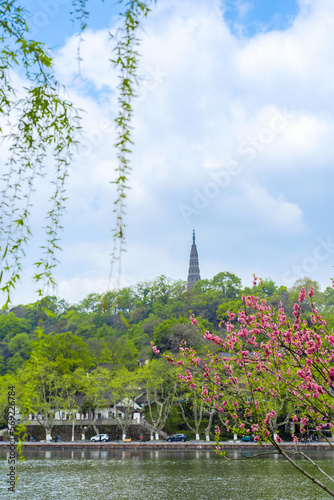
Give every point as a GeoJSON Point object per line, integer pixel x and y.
{"type": "Point", "coordinates": [193, 273]}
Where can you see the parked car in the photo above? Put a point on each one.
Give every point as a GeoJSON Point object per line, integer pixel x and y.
{"type": "Point", "coordinates": [177, 437]}
{"type": "Point", "coordinates": [248, 439]}
{"type": "Point", "coordinates": [100, 438]}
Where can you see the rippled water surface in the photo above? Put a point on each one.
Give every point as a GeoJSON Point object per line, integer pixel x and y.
{"type": "Point", "coordinates": [146, 475]}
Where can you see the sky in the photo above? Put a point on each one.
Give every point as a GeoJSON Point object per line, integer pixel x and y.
{"type": "Point", "coordinates": [233, 130]}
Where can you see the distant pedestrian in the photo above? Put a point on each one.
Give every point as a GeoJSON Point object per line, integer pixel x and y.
{"type": "Point", "coordinates": [28, 437]}
{"type": "Point", "coordinates": [58, 439]}
{"type": "Point", "coordinates": [141, 438]}
{"type": "Point", "coordinates": [117, 438]}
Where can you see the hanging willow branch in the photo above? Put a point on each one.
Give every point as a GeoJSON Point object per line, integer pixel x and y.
{"type": "Point", "coordinates": [40, 130]}
{"type": "Point", "coordinates": [126, 62]}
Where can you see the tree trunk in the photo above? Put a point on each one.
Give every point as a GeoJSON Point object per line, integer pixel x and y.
{"type": "Point", "coordinates": [73, 427]}
{"type": "Point", "coordinates": [48, 430]}
{"type": "Point", "coordinates": [207, 430]}
{"type": "Point", "coordinates": [94, 425]}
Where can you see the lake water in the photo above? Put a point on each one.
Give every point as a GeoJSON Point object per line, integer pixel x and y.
{"type": "Point", "coordinates": [162, 475]}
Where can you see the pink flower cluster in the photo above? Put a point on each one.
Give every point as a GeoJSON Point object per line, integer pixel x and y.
{"type": "Point", "coordinates": [269, 355]}
{"type": "Point", "coordinates": [154, 349]}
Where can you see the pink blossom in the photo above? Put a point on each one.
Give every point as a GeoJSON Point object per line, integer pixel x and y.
{"type": "Point", "coordinates": [208, 335]}
{"type": "Point", "coordinates": [193, 320]}
{"type": "Point", "coordinates": [231, 315]}
{"type": "Point", "coordinates": [311, 292]}
{"type": "Point", "coordinates": [302, 295]}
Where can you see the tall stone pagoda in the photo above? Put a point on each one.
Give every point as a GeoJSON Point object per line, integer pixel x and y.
{"type": "Point", "coordinates": [193, 273]}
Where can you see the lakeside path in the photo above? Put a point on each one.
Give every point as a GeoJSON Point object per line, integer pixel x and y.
{"type": "Point", "coordinates": [163, 445]}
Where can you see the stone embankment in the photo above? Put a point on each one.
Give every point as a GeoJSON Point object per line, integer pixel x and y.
{"type": "Point", "coordinates": [163, 445]}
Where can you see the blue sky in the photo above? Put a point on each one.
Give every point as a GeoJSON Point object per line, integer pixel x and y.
{"type": "Point", "coordinates": [249, 18]}
{"type": "Point", "coordinates": [233, 135]}
{"type": "Point", "coordinates": [53, 22]}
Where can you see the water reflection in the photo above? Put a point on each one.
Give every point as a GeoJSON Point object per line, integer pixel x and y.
{"type": "Point", "coordinates": [163, 474]}
{"type": "Point", "coordinates": [34, 454]}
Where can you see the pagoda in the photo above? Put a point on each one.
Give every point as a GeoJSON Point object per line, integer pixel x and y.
{"type": "Point", "coordinates": [193, 273]}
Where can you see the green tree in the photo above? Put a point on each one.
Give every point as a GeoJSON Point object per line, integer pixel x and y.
{"type": "Point", "coordinates": [307, 283]}
{"type": "Point", "coordinates": [21, 343]}
{"type": "Point", "coordinates": [329, 296]}
{"type": "Point", "coordinates": [112, 348]}
{"type": "Point", "coordinates": [92, 303]}
{"type": "Point", "coordinates": [123, 388]}
{"type": "Point", "coordinates": [188, 400]}
{"type": "Point", "coordinates": [66, 351]}
{"type": "Point", "coordinates": [14, 363]}
{"type": "Point", "coordinates": [96, 394]}
{"type": "Point", "coordinates": [170, 333]}
{"type": "Point", "coordinates": [10, 326]}
{"type": "Point", "coordinates": [159, 382]}
{"type": "Point", "coordinates": [229, 283]}
{"type": "Point", "coordinates": [43, 391]}
{"type": "Point", "coordinates": [232, 306]}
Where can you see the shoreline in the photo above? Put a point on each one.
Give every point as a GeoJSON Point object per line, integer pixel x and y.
{"type": "Point", "coordinates": [163, 445]}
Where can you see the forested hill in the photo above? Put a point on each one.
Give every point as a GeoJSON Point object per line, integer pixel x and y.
{"type": "Point", "coordinates": [117, 328]}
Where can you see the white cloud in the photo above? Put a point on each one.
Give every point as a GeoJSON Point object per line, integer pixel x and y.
{"type": "Point", "coordinates": [280, 213]}
{"type": "Point", "coordinates": [204, 96]}
{"type": "Point", "coordinates": [94, 67]}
